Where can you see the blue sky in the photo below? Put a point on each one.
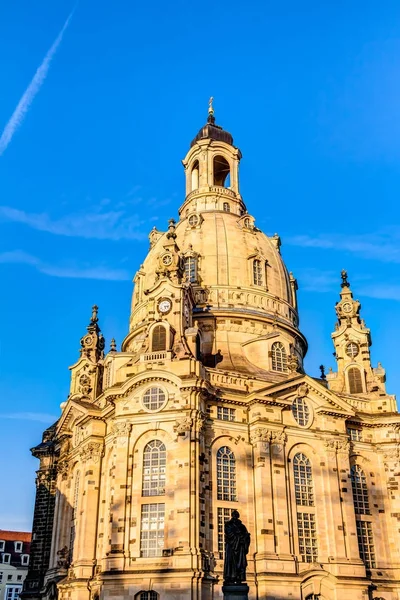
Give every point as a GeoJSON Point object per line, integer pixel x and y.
{"type": "Point", "coordinates": [310, 92]}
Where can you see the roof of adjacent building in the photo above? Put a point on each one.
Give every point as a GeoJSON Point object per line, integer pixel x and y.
{"type": "Point", "coordinates": [15, 536]}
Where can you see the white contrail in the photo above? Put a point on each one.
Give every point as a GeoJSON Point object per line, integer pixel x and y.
{"type": "Point", "coordinates": [31, 91]}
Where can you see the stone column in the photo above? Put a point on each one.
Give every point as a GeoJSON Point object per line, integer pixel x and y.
{"type": "Point", "coordinates": [85, 540]}
{"type": "Point", "coordinates": [116, 558]}
{"type": "Point", "coordinates": [260, 437]}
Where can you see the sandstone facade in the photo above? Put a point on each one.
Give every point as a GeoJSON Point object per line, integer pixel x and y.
{"type": "Point", "coordinates": [207, 408]}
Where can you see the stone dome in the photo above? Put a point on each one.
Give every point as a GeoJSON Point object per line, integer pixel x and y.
{"type": "Point", "coordinates": [243, 300]}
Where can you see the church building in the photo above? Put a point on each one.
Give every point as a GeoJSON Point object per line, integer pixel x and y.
{"type": "Point", "coordinates": [205, 409]}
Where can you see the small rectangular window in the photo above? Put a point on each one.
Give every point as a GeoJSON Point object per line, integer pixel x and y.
{"type": "Point", "coordinates": [19, 577]}
{"type": "Point", "coordinates": [6, 559]}
{"type": "Point", "coordinates": [1, 576]}
{"type": "Point", "coordinates": [18, 546]}
{"type": "Point", "coordinates": [355, 434]}
{"type": "Point", "coordinates": [2, 545]}
{"type": "Point", "coordinates": [24, 560]}
{"type": "Point", "coordinates": [9, 577]}
{"type": "Point", "coordinates": [225, 414]}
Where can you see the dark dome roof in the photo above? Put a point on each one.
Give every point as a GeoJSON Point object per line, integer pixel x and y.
{"type": "Point", "coordinates": [213, 132]}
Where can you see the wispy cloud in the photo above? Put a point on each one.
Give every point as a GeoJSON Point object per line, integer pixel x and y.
{"type": "Point", "coordinates": [383, 246]}
{"type": "Point", "coordinates": [30, 416]}
{"type": "Point", "coordinates": [66, 271]}
{"type": "Point", "coordinates": [96, 223]}
{"type": "Point", "coordinates": [313, 280]}
{"type": "Point", "coordinates": [33, 88]}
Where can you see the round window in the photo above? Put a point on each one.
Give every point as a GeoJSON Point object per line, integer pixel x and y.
{"type": "Point", "coordinates": [301, 412]}
{"type": "Point", "coordinates": [154, 398]}
{"type": "Point", "coordinates": [193, 220]}
{"type": "Point", "coordinates": [167, 259]}
{"type": "Point", "coordinates": [352, 349]}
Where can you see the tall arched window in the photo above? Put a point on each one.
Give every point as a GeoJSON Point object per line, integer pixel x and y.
{"type": "Point", "coordinates": [195, 176]}
{"type": "Point", "coordinates": [303, 482]}
{"type": "Point", "coordinates": [226, 474]}
{"type": "Point", "coordinates": [159, 339]}
{"type": "Point", "coordinates": [221, 171]}
{"type": "Point", "coordinates": [257, 272]}
{"type": "Point", "coordinates": [355, 380]}
{"type": "Point", "coordinates": [191, 269]}
{"type": "Point", "coordinates": [75, 502]}
{"type": "Point", "coordinates": [154, 467]}
{"type": "Point", "coordinates": [360, 491]}
{"type": "Point", "coordinates": [278, 357]}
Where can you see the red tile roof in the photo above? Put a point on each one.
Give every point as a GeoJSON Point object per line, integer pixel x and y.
{"type": "Point", "coordinates": [15, 536]}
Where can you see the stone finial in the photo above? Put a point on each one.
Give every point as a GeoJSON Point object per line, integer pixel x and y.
{"type": "Point", "coordinates": [113, 345]}
{"type": "Point", "coordinates": [171, 229]}
{"type": "Point", "coordinates": [94, 318]}
{"type": "Point", "coordinates": [322, 369]}
{"type": "Point", "coordinates": [345, 281]}
{"type": "Point", "coordinates": [211, 117]}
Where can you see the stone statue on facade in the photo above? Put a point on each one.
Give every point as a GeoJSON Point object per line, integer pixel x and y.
{"type": "Point", "coordinates": [237, 542]}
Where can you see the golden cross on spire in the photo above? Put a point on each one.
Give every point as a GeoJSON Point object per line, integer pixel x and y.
{"type": "Point", "coordinates": [210, 106]}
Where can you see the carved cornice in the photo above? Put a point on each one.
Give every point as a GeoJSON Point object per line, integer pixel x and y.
{"type": "Point", "coordinates": [262, 434]}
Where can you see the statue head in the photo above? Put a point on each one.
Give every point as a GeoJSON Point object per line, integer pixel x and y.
{"type": "Point", "coordinates": [235, 514]}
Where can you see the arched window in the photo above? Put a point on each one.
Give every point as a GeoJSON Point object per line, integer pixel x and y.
{"type": "Point", "coordinates": [360, 491]}
{"type": "Point", "coordinates": [246, 223]}
{"type": "Point", "coordinates": [151, 595]}
{"type": "Point", "coordinates": [75, 502]}
{"type": "Point", "coordinates": [226, 207]}
{"type": "Point", "coordinates": [221, 171]}
{"type": "Point", "coordinates": [154, 467]}
{"type": "Point", "coordinates": [195, 176]}
{"type": "Point", "coordinates": [226, 474]}
{"type": "Point", "coordinates": [191, 269]}
{"type": "Point", "coordinates": [300, 411]}
{"type": "Point", "coordinates": [355, 380]}
{"type": "Point", "coordinates": [278, 357]}
{"type": "Point", "coordinates": [303, 482]}
{"type": "Point", "coordinates": [257, 272]}
{"type": "Point", "coordinates": [159, 339]}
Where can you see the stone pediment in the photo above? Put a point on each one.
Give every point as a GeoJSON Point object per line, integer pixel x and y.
{"type": "Point", "coordinates": [75, 409]}
{"type": "Point", "coordinates": [324, 400]}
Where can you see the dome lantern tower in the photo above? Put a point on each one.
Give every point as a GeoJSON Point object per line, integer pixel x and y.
{"type": "Point", "coordinates": [212, 171]}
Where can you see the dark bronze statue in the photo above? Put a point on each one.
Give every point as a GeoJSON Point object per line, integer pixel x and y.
{"type": "Point", "coordinates": [237, 542]}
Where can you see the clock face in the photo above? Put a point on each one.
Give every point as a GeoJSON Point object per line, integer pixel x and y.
{"type": "Point", "coordinates": [167, 259]}
{"type": "Point", "coordinates": [164, 306]}
{"type": "Point", "coordinates": [88, 340]}
{"type": "Point", "coordinates": [346, 307]}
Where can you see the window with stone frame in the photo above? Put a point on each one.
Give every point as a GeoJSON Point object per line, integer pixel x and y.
{"type": "Point", "coordinates": [159, 339]}
{"type": "Point", "coordinates": [152, 530]}
{"type": "Point", "coordinates": [360, 491]}
{"type": "Point", "coordinates": [226, 475]}
{"type": "Point", "coordinates": [6, 558]}
{"type": "Point", "coordinates": [354, 377]}
{"type": "Point", "coordinates": [300, 411]}
{"type": "Point", "coordinates": [24, 560]}
{"type": "Point", "coordinates": [278, 357]}
{"type": "Point", "coordinates": [355, 434]}
{"type": "Point", "coordinates": [366, 543]}
{"type": "Point", "coordinates": [190, 263]}
{"type": "Point", "coordinates": [226, 414]}
{"type": "Point", "coordinates": [303, 480]}
{"type": "Point", "coordinates": [257, 272]}
{"type": "Point", "coordinates": [154, 469]}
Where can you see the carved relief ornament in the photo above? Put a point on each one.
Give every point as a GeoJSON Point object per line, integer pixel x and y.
{"type": "Point", "coordinates": [337, 445]}
{"type": "Point", "coordinates": [261, 434]}
{"type": "Point", "coordinates": [183, 425]}
{"type": "Point", "coordinates": [91, 452]}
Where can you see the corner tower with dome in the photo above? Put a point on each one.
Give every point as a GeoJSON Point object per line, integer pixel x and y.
{"type": "Point", "coordinates": [205, 409]}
